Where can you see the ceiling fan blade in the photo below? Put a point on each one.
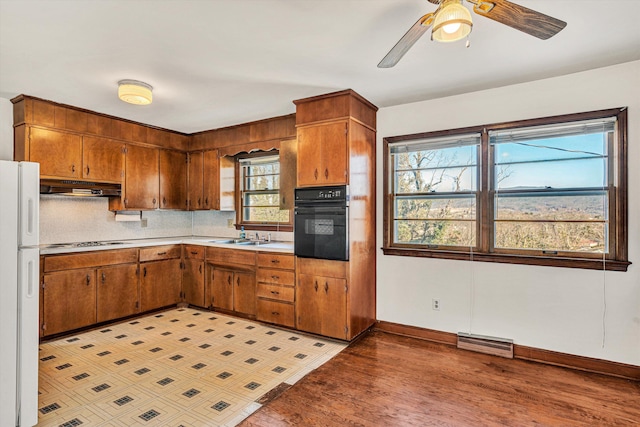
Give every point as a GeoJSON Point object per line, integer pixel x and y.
{"type": "Point", "coordinates": [519, 17]}
{"type": "Point", "coordinates": [408, 40]}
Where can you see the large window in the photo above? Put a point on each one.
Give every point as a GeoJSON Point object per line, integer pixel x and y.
{"type": "Point", "coordinates": [546, 191]}
{"type": "Point", "coordinates": [260, 193]}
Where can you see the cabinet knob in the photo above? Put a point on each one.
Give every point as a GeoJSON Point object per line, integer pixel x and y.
{"type": "Point", "coordinates": [200, 268]}
{"type": "Point", "coordinates": [88, 170]}
{"type": "Point", "coordinates": [326, 287]}
{"type": "Point", "coordinates": [326, 173]}
{"type": "Point", "coordinates": [164, 201]}
{"type": "Point", "coordinates": [144, 272]}
{"type": "Point", "coordinates": [88, 280]}
{"type": "Point", "coordinates": [104, 277]}
{"type": "Point", "coordinates": [315, 173]}
{"type": "Point", "coordinates": [154, 201]}
{"type": "Point", "coordinates": [199, 202]}
{"type": "Point", "coordinates": [316, 286]}
{"type": "Point", "coordinates": [206, 201]}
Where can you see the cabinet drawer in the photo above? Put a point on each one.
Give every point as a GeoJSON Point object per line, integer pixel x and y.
{"type": "Point", "coordinates": [280, 313]}
{"type": "Point", "coordinates": [279, 277]}
{"type": "Point", "coordinates": [89, 259]}
{"type": "Point", "coordinates": [323, 267]}
{"type": "Point", "coordinates": [276, 261]}
{"type": "Point", "coordinates": [155, 253]}
{"type": "Point", "coordinates": [220, 256]}
{"type": "Point", "coordinates": [278, 292]}
{"type": "Point", "coordinates": [193, 251]}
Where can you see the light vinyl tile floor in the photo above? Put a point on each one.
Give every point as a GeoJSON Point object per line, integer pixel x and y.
{"type": "Point", "coordinates": [182, 367]}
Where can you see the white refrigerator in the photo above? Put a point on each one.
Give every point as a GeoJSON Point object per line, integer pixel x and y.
{"type": "Point", "coordinates": [19, 292]}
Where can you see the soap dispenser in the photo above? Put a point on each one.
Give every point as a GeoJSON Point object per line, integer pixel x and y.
{"type": "Point", "coordinates": [243, 235]}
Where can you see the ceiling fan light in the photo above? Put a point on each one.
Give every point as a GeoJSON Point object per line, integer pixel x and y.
{"type": "Point", "coordinates": [452, 22]}
{"type": "Point", "coordinates": [135, 92]}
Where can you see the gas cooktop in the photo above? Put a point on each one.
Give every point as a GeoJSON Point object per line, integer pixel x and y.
{"type": "Point", "coordinates": [81, 244]}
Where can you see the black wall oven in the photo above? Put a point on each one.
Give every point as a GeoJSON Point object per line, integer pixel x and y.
{"type": "Point", "coordinates": [321, 222]}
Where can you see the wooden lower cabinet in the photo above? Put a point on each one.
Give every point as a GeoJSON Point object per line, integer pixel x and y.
{"type": "Point", "coordinates": [276, 290]}
{"type": "Point", "coordinates": [193, 282]}
{"type": "Point", "coordinates": [321, 304]}
{"type": "Point", "coordinates": [117, 292]}
{"type": "Point", "coordinates": [232, 290]}
{"type": "Point", "coordinates": [160, 284]}
{"type": "Point", "coordinates": [193, 274]}
{"type": "Point", "coordinates": [69, 300]}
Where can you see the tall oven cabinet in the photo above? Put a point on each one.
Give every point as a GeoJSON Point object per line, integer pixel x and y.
{"type": "Point", "coordinates": [336, 135]}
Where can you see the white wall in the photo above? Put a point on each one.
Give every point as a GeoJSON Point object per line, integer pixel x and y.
{"type": "Point", "coordinates": [559, 309]}
{"type": "Point", "coordinates": [6, 129]}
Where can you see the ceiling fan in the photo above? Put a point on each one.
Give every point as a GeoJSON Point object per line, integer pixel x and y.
{"type": "Point", "coordinates": [451, 21]}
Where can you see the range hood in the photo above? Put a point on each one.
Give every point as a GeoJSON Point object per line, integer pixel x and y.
{"type": "Point", "coordinates": [79, 188]}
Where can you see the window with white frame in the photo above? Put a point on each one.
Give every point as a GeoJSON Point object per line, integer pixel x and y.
{"type": "Point", "coordinates": [260, 192]}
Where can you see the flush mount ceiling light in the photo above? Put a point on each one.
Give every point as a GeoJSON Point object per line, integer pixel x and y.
{"type": "Point", "coordinates": [452, 22]}
{"type": "Point", "coordinates": [135, 92]}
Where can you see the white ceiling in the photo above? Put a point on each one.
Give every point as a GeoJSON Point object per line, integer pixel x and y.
{"type": "Point", "coordinates": [215, 63]}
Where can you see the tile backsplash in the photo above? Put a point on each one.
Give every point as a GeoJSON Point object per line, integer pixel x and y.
{"type": "Point", "coordinates": [69, 219]}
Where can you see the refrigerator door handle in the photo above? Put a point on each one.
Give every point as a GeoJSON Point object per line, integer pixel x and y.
{"type": "Point", "coordinates": [28, 311]}
{"type": "Point", "coordinates": [29, 182]}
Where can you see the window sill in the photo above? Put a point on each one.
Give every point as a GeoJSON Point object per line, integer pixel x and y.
{"type": "Point", "coordinates": [266, 227]}
{"type": "Point", "coordinates": [584, 263]}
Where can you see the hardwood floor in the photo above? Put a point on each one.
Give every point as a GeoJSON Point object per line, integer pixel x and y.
{"type": "Point", "coordinates": [390, 380]}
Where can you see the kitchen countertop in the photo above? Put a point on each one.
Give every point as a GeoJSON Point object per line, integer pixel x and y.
{"type": "Point", "coordinates": [61, 248]}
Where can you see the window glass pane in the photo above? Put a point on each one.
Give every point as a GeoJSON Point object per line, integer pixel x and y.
{"type": "Point", "coordinates": [262, 182]}
{"type": "Point", "coordinates": [265, 214]}
{"type": "Point", "coordinates": [554, 236]}
{"type": "Point", "coordinates": [265, 199]}
{"type": "Point", "coordinates": [560, 174]}
{"type": "Point", "coordinates": [570, 147]}
{"type": "Point", "coordinates": [437, 180]}
{"type": "Point", "coordinates": [420, 208]}
{"type": "Point", "coordinates": [552, 208]}
{"type": "Point", "coordinates": [449, 233]}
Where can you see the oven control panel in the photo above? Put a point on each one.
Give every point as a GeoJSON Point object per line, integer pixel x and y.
{"type": "Point", "coordinates": [335, 193]}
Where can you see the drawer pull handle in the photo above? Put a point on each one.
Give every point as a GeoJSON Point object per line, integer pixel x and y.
{"type": "Point", "coordinates": [316, 286]}
{"type": "Point", "coordinates": [275, 277]}
{"type": "Point", "coordinates": [104, 277]}
{"type": "Point", "coordinates": [275, 292]}
{"type": "Point", "coordinates": [144, 272]}
{"type": "Point", "coordinates": [275, 261]}
{"type": "Point", "coordinates": [200, 268]}
{"type": "Point", "coordinates": [194, 252]}
{"type": "Point", "coordinates": [275, 313]}
{"type": "Point", "coordinates": [162, 253]}
{"type": "Point", "coordinates": [315, 174]}
{"type": "Point", "coordinates": [326, 287]}
{"type": "Point", "coordinates": [88, 280]}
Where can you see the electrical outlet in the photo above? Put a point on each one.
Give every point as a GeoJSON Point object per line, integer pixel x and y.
{"type": "Point", "coordinates": [230, 223]}
{"type": "Point", "coordinates": [435, 304]}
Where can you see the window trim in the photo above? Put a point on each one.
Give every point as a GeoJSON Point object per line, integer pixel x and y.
{"type": "Point", "coordinates": [616, 261]}
{"type": "Point", "coordinates": [284, 227]}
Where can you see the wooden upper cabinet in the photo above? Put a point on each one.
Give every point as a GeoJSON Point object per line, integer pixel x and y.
{"type": "Point", "coordinates": [322, 156]}
{"type": "Point", "coordinates": [288, 172]}
{"type": "Point", "coordinates": [173, 179]}
{"type": "Point", "coordinates": [196, 181]}
{"type": "Point", "coordinates": [102, 159]}
{"type": "Point", "coordinates": [211, 180]}
{"type": "Point", "coordinates": [59, 153]}
{"type": "Point", "coordinates": [142, 185]}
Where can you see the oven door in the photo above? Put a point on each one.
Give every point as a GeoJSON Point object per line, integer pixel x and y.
{"type": "Point", "coordinates": [321, 232]}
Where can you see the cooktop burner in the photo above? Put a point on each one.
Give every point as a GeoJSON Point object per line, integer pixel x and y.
{"type": "Point", "coordinates": [83, 244]}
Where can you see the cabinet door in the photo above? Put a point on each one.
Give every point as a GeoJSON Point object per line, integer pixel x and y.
{"type": "Point", "coordinates": [102, 159]}
{"type": "Point", "coordinates": [288, 172]}
{"type": "Point", "coordinates": [142, 185]}
{"type": "Point", "coordinates": [220, 288]}
{"type": "Point", "coordinates": [160, 284]}
{"type": "Point", "coordinates": [211, 180]}
{"type": "Point", "coordinates": [322, 154]}
{"type": "Point", "coordinates": [244, 292]}
{"type": "Point", "coordinates": [193, 282]}
{"type": "Point", "coordinates": [334, 153]}
{"type": "Point", "coordinates": [308, 304]}
{"type": "Point", "coordinates": [59, 153]}
{"type": "Point", "coordinates": [309, 161]}
{"type": "Point", "coordinates": [196, 175]}
{"type": "Point", "coordinates": [69, 300]}
{"type": "Point", "coordinates": [321, 304]}
{"type": "Point", "coordinates": [173, 180]}
{"type": "Point", "coordinates": [117, 292]}
{"type": "Point", "coordinates": [333, 296]}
